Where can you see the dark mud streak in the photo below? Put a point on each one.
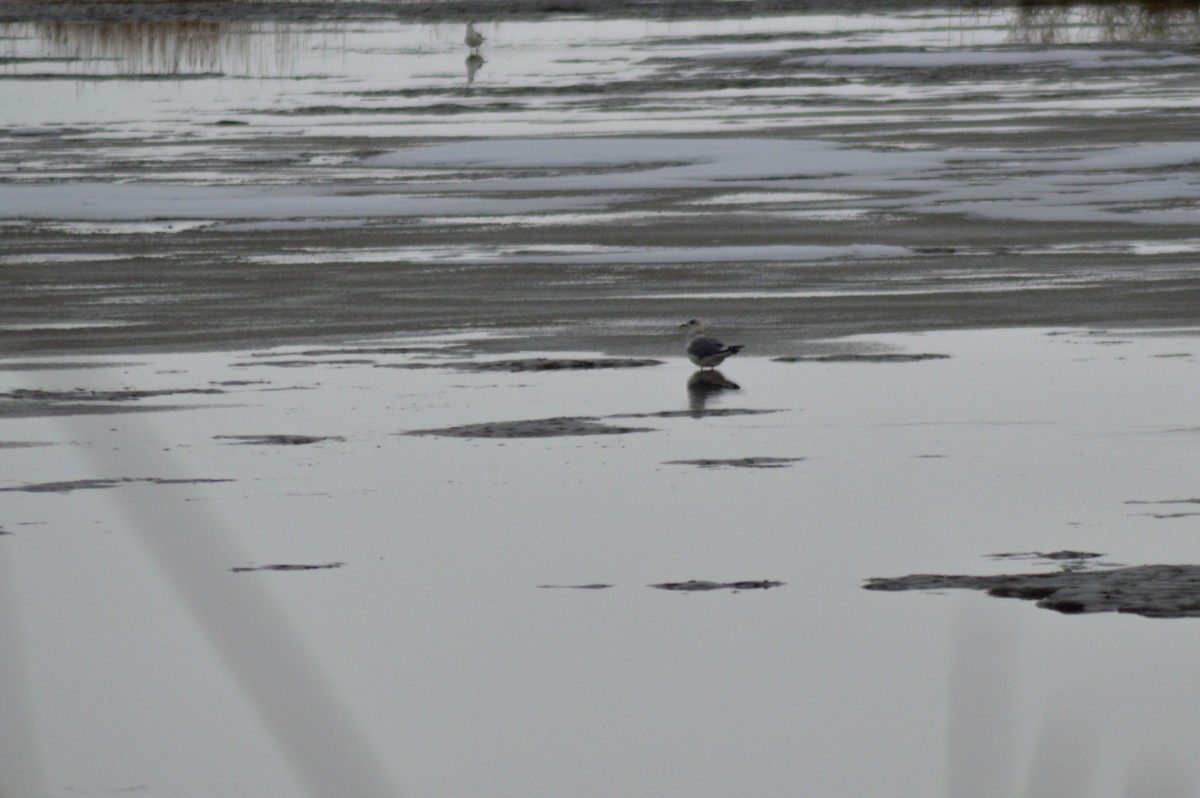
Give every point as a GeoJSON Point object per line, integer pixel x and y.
{"type": "Point", "coordinates": [299, 364]}
{"type": "Point", "coordinates": [51, 409]}
{"type": "Point", "coordinates": [86, 395]}
{"type": "Point", "coordinates": [595, 586]}
{"type": "Point", "coordinates": [1162, 516]}
{"type": "Point", "coordinates": [286, 567]}
{"type": "Point", "coordinates": [102, 484]}
{"type": "Point", "coordinates": [740, 462]}
{"type": "Point", "coordinates": [535, 428]}
{"type": "Point", "coordinates": [42, 403]}
{"type": "Point", "coordinates": [368, 350]}
{"type": "Point", "coordinates": [277, 440]}
{"type": "Point", "coordinates": [63, 366]}
{"type": "Point", "coordinates": [700, 585]}
{"type": "Point", "coordinates": [557, 364]}
{"type": "Point", "coordinates": [1066, 554]}
{"type": "Point", "coordinates": [1152, 591]}
{"type": "Point", "coordinates": [714, 413]}
{"type": "Point", "coordinates": [863, 358]}
{"type": "Point", "coordinates": [538, 364]}
{"type": "Point", "coordinates": [1067, 559]}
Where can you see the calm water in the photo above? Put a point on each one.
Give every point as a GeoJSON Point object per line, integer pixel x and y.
{"type": "Point", "coordinates": [586, 183]}
{"type": "Point", "coordinates": [431, 657]}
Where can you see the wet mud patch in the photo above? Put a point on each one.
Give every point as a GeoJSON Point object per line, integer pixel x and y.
{"type": "Point", "coordinates": [556, 364]}
{"type": "Point", "coordinates": [287, 567]}
{"type": "Point", "coordinates": [740, 462]}
{"type": "Point", "coordinates": [698, 412]}
{"type": "Point", "coordinates": [372, 350]}
{"type": "Point", "coordinates": [691, 586]}
{"type": "Point", "coordinates": [862, 358]}
{"type": "Point", "coordinates": [102, 484]}
{"type": "Point", "coordinates": [41, 403]}
{"type": "Point", "coordinates": [1067, 559]}
{"type": "Point", "coordinates": [1169, 515]}
{"type": "Point", "coordinates": [700, 585]}
{"type": "Point", "coordinates": [77, 395]}
{"type": "Point", "coordinates": [298, 363]}
{"type": "Point", "coordinates": [534, 428]}
{"type": "Point", "coordinates": [63, 366]}
{"type": "Point", "coordinates": [277, 440]}
{"type": "Point", "coordinates": [47, 410]}
{"type": "Point", "coordinates": [534, 364]}
{"type": "Point", "coordinates": [1152, 591]}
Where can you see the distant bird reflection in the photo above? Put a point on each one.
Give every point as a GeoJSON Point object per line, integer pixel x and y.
{"type": "Point", "coordinates": [474, 62]}
{"type": "Point", "coordinates": [705, 384]}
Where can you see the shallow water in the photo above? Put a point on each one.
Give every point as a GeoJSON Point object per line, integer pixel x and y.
{"type": "Point", "coordinates": [439, 644]}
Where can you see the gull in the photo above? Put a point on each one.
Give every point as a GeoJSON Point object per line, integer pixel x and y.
{"type": "Point", "coordinates": [473, 38]}
{"type": "Point", "coordinates": [703, 350]}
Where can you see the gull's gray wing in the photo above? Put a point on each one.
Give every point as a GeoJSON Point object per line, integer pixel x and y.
{"type": "Point", "coordinates": [703, 346]}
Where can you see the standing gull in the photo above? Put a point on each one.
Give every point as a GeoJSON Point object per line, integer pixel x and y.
{"type": "Point", "coordinates": [703, 350]}
{"type": "Point", "coordinates": [473, 38]}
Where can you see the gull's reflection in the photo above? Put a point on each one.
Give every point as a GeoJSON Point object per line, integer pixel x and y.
{"type": "Point", "coordinates": [705, 384]}
{"type": "Point", "coordinates": [474, 64]}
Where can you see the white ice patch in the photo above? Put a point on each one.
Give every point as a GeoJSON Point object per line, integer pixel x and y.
{"type": "Point", "coordinates": [81, 325]}
{"type": "Point", "coordinates": [772, 197]}
{"type": "Point", "coordinates": [1079, 58]}
{"type": "Point", "coordinates": [665, 162]}
{"type": "Point", "coordinates": [1144, 183]}
{"type": "Point", "coordinates": [59, 257]}
{"type": "Point", "coordinates": [760, 254]}
{"type": "Point", "coordinates": [1151, 183]}
{"type": "Point", "coordinates": [126, 201]}
{"type": "Point", "coordinates": [586, 253]}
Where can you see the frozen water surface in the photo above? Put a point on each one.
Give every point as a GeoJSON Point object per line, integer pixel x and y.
{"type": "Point", "coordinates": [293, 242]}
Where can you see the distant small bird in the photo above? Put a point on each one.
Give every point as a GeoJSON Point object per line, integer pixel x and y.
{"type": "Point", "coordinates": [473, 38]}
{"type": "Point", "coordinates": [703, 350]}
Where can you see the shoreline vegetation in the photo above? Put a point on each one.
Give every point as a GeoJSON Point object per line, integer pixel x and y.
{"type": "Point", "coordinates": [417, 10]}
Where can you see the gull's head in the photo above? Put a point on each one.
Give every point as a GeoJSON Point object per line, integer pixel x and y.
{"type": "Point", "coordinates": [692, 327]}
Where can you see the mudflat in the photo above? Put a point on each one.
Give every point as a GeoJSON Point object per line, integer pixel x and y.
{"type": "Point", "coordinates": [223, 182]}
